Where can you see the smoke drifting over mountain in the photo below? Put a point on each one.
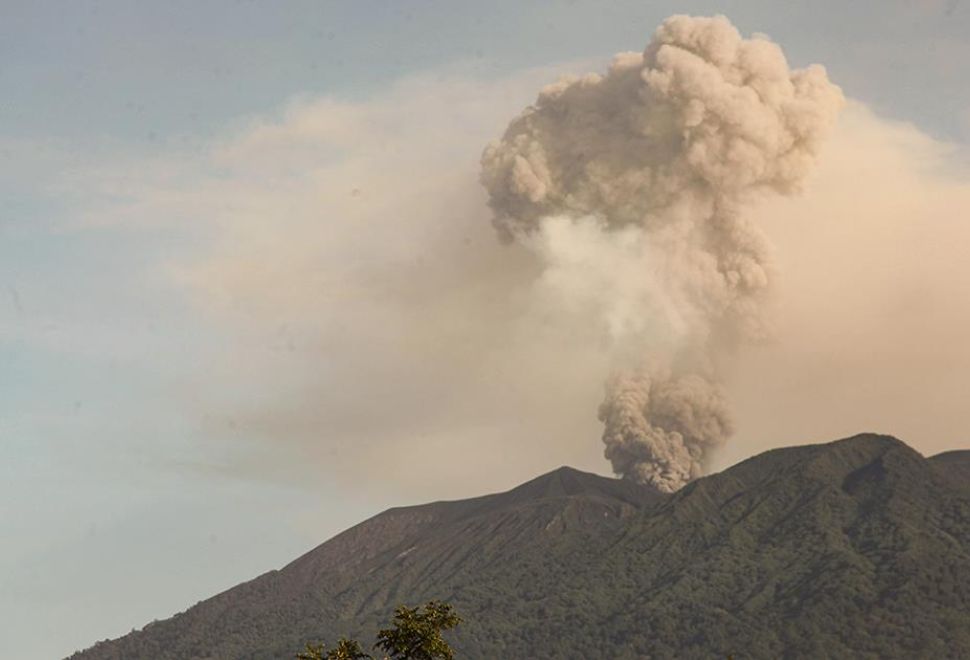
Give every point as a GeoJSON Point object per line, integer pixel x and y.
{"type": "Point", "coordinates": [630, 189]}
{"type": "Point", "coordinates": [352, 309]}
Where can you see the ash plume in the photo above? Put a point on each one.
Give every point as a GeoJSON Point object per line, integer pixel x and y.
{"type": "Point", "coordinates": [630, 187]}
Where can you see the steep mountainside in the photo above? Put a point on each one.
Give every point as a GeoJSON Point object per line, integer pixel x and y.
{"type": "Point", "coordinates": [956, 465]}
{"type": "Point", "coordinates": [857, 548]}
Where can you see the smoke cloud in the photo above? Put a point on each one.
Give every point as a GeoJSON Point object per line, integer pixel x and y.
{"type": "Point", "coordinates": [348, 308]}
{"type": "Point", "coordinates": [630, 189]}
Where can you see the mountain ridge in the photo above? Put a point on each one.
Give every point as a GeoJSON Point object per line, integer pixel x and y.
{"type": "Point", "coordinates": [828, 549]}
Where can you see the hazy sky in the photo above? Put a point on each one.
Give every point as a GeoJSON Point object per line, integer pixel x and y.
{"type": "Point", "coordinates": [249, 294]}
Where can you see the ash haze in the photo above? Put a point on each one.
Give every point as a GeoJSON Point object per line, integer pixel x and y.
{"type": "Point", "coordinates": [253, 289]}
{"type": "Point", "coordinates": [648, 169]}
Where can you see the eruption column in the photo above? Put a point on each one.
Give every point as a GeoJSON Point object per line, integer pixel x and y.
{"type": "Point", "coordinates": [662, 153]}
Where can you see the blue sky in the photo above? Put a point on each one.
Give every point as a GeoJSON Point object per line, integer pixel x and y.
{"type": "Point", "coordinates": [143, 313]}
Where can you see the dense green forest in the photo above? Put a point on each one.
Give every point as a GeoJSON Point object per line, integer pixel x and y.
{"type": "Point", "coordinates": [858, 548]}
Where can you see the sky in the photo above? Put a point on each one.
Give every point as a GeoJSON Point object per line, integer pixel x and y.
{"type": "Point", "coordinates": [250, 294]}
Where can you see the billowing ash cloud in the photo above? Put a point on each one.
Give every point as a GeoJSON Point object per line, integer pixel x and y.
{"type": "Point", "coordinates": [629, 187]}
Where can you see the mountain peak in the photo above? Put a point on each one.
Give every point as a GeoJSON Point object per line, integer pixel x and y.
{"type": "Point", "coordinates": [567, 481]}
{"type": "Point", "coordinates": [853, 548]}
{"type": "Point", "coordinates": [954, 456]}
{"type": "Point", "coordinates": [955, 466]}
{"type": "Point", "coordinates": [822, 461]}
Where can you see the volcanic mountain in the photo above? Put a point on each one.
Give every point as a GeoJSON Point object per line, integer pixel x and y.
{"type": "Point", "coordinates": [856, 548]}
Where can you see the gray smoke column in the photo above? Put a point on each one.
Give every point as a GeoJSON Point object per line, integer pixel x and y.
{"type": "Point", "coordinates": [629, 187]}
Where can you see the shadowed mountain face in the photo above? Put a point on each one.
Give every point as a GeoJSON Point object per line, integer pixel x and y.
{"type": "Point", "coordinates": [857, 548]}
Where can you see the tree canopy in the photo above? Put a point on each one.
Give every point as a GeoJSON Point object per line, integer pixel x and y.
{"type": "Point", "coordinates": [415, 634]}
{"type": "Point", "coordinates": [346, 649]}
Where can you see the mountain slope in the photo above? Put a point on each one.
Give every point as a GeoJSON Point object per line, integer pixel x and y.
{"type": "Point", "coordinates": [955, 465]}
{"type": "Point", "coordinates": [855, 548]}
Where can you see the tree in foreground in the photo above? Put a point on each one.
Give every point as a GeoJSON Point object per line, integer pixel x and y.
{"type": "Point", "coordinates": [415, 635]}
{"type": "Point", "coordinates": [346, 649]}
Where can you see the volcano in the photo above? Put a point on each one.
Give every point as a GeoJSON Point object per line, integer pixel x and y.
{"type": "Point", "coordinates": [855, 548]}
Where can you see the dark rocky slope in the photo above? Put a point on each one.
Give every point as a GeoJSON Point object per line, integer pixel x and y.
{"type": "Point", "coordinates": [857, 548]}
